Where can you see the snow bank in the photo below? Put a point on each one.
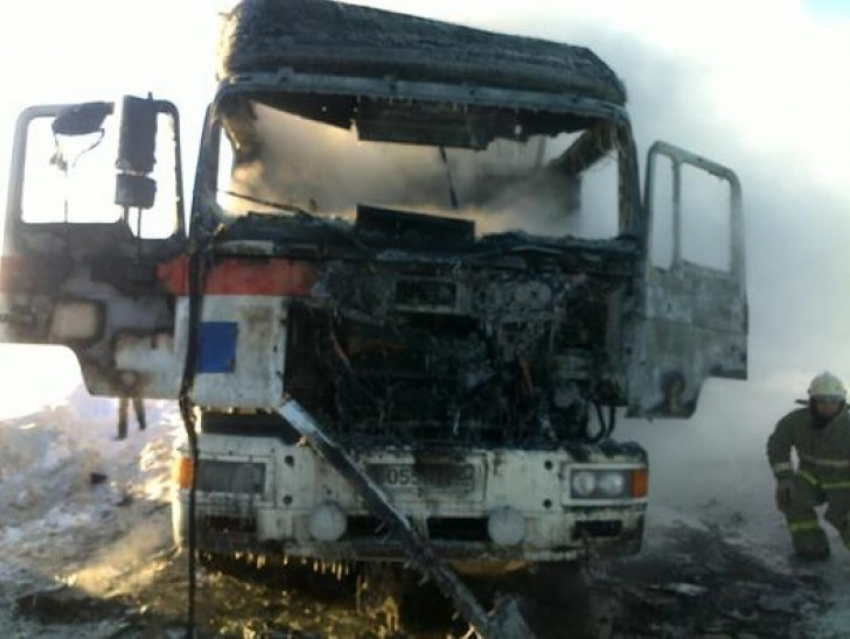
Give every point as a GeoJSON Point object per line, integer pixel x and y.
{"type": "Point", "coordinates": [70, 492]}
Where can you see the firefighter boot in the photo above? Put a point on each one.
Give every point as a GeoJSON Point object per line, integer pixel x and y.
{"type": "Point", "coordinates": [838, 513]}
{"type": "Point", "coordinates": [810, 541]}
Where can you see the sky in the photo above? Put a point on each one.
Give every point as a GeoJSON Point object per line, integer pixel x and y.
{"type": "Point", "coordinates": [761, 86]}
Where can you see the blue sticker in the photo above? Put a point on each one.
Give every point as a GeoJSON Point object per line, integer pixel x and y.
{"type": "Point", "coordinates": [217, 352]}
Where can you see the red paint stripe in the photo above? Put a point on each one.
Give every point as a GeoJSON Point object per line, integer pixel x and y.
{"type": "Point", "coordinates": [241, 276]}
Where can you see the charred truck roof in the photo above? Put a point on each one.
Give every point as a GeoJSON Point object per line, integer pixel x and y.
{"type": "Point", "coordinates": [344, 40]}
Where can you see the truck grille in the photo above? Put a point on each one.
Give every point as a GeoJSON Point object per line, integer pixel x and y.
{"type": "Point", "coordinates": [597, 529]}
{"type": "Point", "coordinates": [247, 478]}
{"type": "Point", "coordinates": [458, 529]}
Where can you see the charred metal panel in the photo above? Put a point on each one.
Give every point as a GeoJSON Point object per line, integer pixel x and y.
{"type": "Point", "coordinates": [696, 328]}
{"type": "Point", "coordinates": [692, 294]}
{"type": "Point", "coordinates": [674, 362]}
{"type": "Point", "coordinates": [152, 359]}
{"type": "Point", "coordinates": [93, 304]}
{"type": "Point", "coordinates": [424, 231]}
{"type": "Point", "coordinates": [425, 352]}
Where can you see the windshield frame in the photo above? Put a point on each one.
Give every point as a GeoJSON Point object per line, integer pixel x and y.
{"type": "Point", "coordinates": [206, 208]}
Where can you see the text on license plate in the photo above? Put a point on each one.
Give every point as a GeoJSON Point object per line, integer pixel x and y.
{"type": "Point", "coordinates": [449, 477]}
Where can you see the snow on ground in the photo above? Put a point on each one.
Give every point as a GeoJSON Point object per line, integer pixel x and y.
{"type": "Point", "coordinates": [77, 506]}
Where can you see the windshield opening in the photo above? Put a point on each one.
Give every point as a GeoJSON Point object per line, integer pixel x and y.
{"type": "Point", "coordinates": [278, 162]}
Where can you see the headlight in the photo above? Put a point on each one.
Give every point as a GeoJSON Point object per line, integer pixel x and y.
{"type": "Point", "coordinates": [583, 483]}
{"type": "Point", "coordinates": [612, 484]}
{"type": "Point", "coordinates": [608, 484]}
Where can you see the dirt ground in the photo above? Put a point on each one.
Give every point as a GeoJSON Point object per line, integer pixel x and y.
{"type": "Point", "coordinates": [700, 586]}
{"type": "Point", "coordinates": [85, 551]}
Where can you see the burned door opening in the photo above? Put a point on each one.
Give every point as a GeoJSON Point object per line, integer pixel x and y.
{"type": "Point", "coordinates": [694, 318]}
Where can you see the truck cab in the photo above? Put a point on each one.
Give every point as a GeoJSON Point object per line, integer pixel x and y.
{"type": "Point", "coordinates": [426, 244]}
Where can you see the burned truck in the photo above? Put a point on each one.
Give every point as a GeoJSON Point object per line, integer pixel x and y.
{"type": "Point", "coordinates": [413, 291]}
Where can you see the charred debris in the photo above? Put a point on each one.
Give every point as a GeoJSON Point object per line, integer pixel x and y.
{"type": "Point", "coordinates": [418, 332]}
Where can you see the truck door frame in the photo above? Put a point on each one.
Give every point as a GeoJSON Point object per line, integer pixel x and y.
{"type": "Point", "coordinates": [94, 286]}
{"type": "Point", "coordinates": [693, 319]}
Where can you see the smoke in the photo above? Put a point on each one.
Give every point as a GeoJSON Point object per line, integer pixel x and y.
{"type": "Point", "coordinates": [329, 171]}
{"type": "Point", "coordinates": [757, 87]}
{"type": "Point", "coordinates": [323, 168]}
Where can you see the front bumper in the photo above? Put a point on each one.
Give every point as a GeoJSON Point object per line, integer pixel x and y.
{"type": "Point", "coordinates": [459, 518]}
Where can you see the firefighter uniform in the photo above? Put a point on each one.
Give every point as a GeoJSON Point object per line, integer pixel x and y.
{"type": "Point", "coordinates": [822, 475]}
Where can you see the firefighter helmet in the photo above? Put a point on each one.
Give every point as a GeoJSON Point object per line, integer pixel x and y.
{"type": "Point", "coordinates": [827, 385]}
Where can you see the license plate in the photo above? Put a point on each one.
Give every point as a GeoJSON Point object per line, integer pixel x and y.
{"type": "Point", "coordinates": [431, 477]}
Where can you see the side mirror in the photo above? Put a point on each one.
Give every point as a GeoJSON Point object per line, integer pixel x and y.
{"type": "Point", "coordinates": [81, 119]}
{"type": "Point", "coordinates": [136, 153]}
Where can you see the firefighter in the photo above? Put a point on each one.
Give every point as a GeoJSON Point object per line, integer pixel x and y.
{"type": "Point", "coordinates": [820, 436]}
